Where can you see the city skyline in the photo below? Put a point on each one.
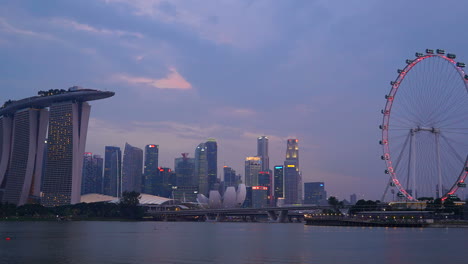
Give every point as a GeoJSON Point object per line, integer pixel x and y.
{"type": "Point", "coordinates": [183, 72]}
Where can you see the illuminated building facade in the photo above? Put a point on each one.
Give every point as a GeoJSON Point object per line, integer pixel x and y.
{"type": "Point", "coordinates": [68, 125]}
{"type": "Point", "coordinates": [212, 162]}
{"type": "Point", "coordinates": [132, 169]}
{"type": "Point", "coordinates": [151, 170]}
{"type": "Point", "coordinates": [62, 117]}
{"type": "Point", "coordinates": [253, 165]}
{"type": "Point", "coordinates": [292, 176]}
{"type": "Point", "coordinates": [265, 179]}
{"type": "Point", "coordinates": [112, 180]}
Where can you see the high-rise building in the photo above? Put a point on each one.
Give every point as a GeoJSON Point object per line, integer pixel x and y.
{"type": "Point", "coordinates": [278, 174]}
{"type": "Point", "coordinates": [265, 179]}
{"type": "Point", "coordinates": [201, 169]}
{"type": "Point", "coordinates": [212, 162]}
{"type": "Point", "coordinates": [229, 177]}
{"type": "Point", "coordinates": [21, 168]}
{"type": "Point", "coordinates": [253, 165]}
{"type": "Point", "coordinates": [151, 170]}
{"type": "Point", "coordinates": [314, 193]}
{"type": "Point", "coordinates": [185, 169]}
{"type": "Point", "coordinates": [68, 124]}
{"type": "Point", "coordinates": [92, 173]}
{"type": "Point", "coordinates": [353, 199]}
{"type": "Point", "coordinates": [292, 176]}
{"type": "Point", "coordinates": [165, 182]}
{"type": "Point", "coordinates": [132, 168]}
{"type": "Point", "coordinates": [112, 180]}
{"type": "Point", "coordinates": [262, 152]}
{"type": "Point", "coordinates": [62, 117]}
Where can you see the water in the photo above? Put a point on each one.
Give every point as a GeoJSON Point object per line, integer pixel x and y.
{"type": "Point", "coordinates": [186, 242]}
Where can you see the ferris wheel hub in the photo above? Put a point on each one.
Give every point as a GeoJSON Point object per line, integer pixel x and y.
{"type": "Point", "coordinates": [428, 129]}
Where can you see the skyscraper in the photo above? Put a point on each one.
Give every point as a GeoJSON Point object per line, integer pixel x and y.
{"type": "Point", "coordinates": [132, 168]}
{"type": "Point", "coordinates": [292, 177]}
{"type": "Point", "coordinates": [253, 165]}
{"type": "Point", "coordinates": [112, 181]}
{"type": "Point", "coordinates": [62, 117]}
{"type": "Point", "coordinates": [151, 170]}
{"type": "Point", "coordinates": [314, 193]}
{"type": "Point", "coordinates": [185, 169]}
{"type": "Point", "coordinates": [212, 162]}
{"type": "Point", "coordinates": [20, 165]}
{"type": "Point", "coordinates": [68, 124]}
{"type": "Point", "coordinates": [201, 169]}
{"type": "Point", "coordinates": [278, 181]}
{"type": "Point", "coordinates": [229, 176]}
{"type": "Point", "coordinates": [92, 173]}
{"type": "Point", "coordinates": [262, 152]}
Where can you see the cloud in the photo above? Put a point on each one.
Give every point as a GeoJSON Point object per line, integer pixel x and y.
{"type": "Point", "coordinates": [101, 31]}
{"type": "Point", "coordinates": [6, 27]}
{"type": "Point", "coordinates": [233, 23]}
{"type": "Point", "coordinates": [172, 81]}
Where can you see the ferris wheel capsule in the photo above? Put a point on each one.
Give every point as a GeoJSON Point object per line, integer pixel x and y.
{"type": "Point", "coordinates": [440, 51]}
{"type": "Point", "coordinates": [451, 56]}
{"type": "Point", "coordinates": [419, 54]}
{"type": "Point", "coordinates": [429, 51]}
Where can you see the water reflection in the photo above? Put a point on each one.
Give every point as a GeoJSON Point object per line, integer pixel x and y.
{"type": "Point", "coordinates": [165, 242]}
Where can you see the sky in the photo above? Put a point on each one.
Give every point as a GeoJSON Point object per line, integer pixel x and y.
{"type": "Point", "coordinates": [186, 70]}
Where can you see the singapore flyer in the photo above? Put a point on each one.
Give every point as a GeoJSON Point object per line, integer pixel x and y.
{"type": "Point", "coordinates": [425, 128]}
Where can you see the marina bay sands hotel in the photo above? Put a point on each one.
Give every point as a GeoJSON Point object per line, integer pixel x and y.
{"type": "Point", "coordinates": [61, 117]}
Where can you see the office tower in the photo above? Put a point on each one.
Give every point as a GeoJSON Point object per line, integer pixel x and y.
{"type": "Point", "coordinates": [278, 181]}
{"type": "Point", "coordinates": [112, 180]}
{"type": "Point", "coordinates": [165, 182]}
{"type": "Point", "coordinates": [151, 170]}
{"type": "Point", "coordinates": [292, 177]}
{"type": "Point", "coordinates": [229, 177]}
{"type": "Point", "coordinates": [185, 169]}
{"type": "Point", "coordinates": [262, 152]}
{"type": "Point", "coordinates": [353, 199]}
{"type": "Point", "coordinates": [265, 179]}
{"type": "Point", "coordinates": [20, 166]}
{"type": "Point", "coordinates": [25, 123]}
{"type": "Point", "coordinates": [92, 173]}
{"type": "Point", "coordinates": [201, 169]}
{"type": "Point", "coordinates": [88, 180]}
{"type": "Point", "coordinates": [132, 169]}
{"type": "Point", "coordinates": [253, 165]}
{"type": "Point", "coordinates": [314, 193]}
{"type": "Point", "coordinates": [212, 163]}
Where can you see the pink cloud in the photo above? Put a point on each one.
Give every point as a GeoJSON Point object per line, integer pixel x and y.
{"type": "Point", "coordinates": [172, 81]}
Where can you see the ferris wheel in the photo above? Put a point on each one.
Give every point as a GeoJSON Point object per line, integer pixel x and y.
{"type": "Point", "coordinates": [425, 128]}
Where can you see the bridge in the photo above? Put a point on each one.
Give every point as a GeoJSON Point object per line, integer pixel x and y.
{"type": "Point", "coordinates": [274, 214]}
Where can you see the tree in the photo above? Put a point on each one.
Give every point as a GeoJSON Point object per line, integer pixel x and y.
{"type": "Point", "coordinates": [129, 205]}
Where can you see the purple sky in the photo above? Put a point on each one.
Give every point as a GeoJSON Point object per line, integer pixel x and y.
{"type": "Point", "coordinates": [187, 70]}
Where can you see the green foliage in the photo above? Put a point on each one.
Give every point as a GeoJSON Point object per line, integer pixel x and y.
{"type": "Point", "coordinates": [363, 205]}
{"type": "Point", "coordinates": [129, 205]}
{"type": "Point", "coordinates": [7, 209]}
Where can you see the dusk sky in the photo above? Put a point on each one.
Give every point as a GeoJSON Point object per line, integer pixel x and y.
{"type": "Point", "coordinates": [184, 71]}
